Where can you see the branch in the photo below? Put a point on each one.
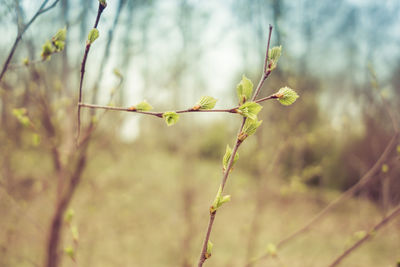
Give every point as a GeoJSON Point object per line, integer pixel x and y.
{"type": "Point", "coordinates": [344, 196]}
{"type": "Point", "coordinates": [370, 234]}
{"type": "Point", "coordinates": [238, 142]}
{"type": "Point", "coordinates": [159, 114]}
{"type": "Point", "coordinates": [40, 11]}
{"type": "Point", "coordinates": [83, 66]}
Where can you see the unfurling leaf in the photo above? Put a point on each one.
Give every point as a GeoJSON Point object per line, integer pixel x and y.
{"type": "Point", "coordinates": [227, 157]}
{"type": "Point", "coordinates": [206, 102]}
{"type": "Point", "coordinates": [69, 215]}
{"type": "Point", "coordinates": [217, 199]}
{"type": "Point", "coordinates": [61, 35]}
{"type": "Point", "coordinates": [93, 35]}
{"type": "Point", "coordinates": [70, 252]}
{"type": "Point", "coordinates": [143, 106]}
{"type": "Point", "coordinates": [47, 50]}
{"type": "Point", "coordinates": [250, 110]}
{"type": "Point", "coordinates": [170, 117]}
{"type": "Point", "coordinates": [20, 114]}
{"type": "Point", "coordinates": [273, 56]}
{"type": "Point", "coordinates": [249, 128]}
{"type": "Point", "coordinates": [244, 90]}
{"type": "Point", "coordinates": [225, 199]}
{"type": "Point", "coordinates": [286, 96]}
{"type": "Point", "coordinates": [75, 233]}
{"type": "Point", "coordinates": [209, 249]}
{"type": "Point", "coordinates": [385, 168]}
{"type": "Point", "coordinates": [271, 250]}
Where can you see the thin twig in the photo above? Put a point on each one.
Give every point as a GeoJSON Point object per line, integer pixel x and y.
{"type": "Point", "coordinates": [83, 66]}
{"type": "Point", "coordinates": [345, 195]}
{"type": "Point", "coordinates": [40, 11]}
{"type": "Point", "coordinates": [369, 235]}
{"type": "Point", "coordinates": [238, 142]}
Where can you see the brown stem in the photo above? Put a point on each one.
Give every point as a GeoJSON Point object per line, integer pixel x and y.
{"type": "Point", "coordinates": [369, 235]}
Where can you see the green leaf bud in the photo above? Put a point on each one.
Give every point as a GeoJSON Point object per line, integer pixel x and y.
{"type": "Point", "coordinates": [61, 35]}
{"type": "Point", "coordinates": [227, 157]}
{"type": "Point", "coordinates": [75, 233]}
{"type": "Point", "coordinates": [385, 168]}
{"type": "Point", "coordinates": [170, 117]}
{"type": "Point", "coordinates": [250, 110]}
{"type": "Point", "coordinates": [273, 56]}
{"type": "Point", "coordinates": [286, 96]}
{"type": "Point", "coordinates": [20, 115]}
{"type": "Point", "coordinates": [69, 214]}
{"type": "Point", "coordinates": [93, 35]}
{"type": "Point", "coordinates": [103, 3]}
{"type": "Point", "coordinates": [244, 90]}
{"type": "Point", "coordinates": [271, 250]}
{"type": "Point", "coordinates": [70, 252]}
{"type": "Point", "coordinates": [35, 140]}
{"type": "Point", "coordinates": [209, 249]}
{"type": "Point", "coordinates": [206, 102]}
{"type": "Point", "coordinates": [47, 50]}
{"type": "Point", "coordinates": [25, 61]}
{"type": "Point", "coordinates": [249, 128]}
{"type": "Point", "coordinates": [143, 106]}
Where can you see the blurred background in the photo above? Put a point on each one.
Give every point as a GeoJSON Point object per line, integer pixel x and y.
{"type": "Point", "coordinates": [145, 188]}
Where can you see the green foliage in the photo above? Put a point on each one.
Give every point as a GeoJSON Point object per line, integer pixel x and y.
{"type": "Point", "coordinates": [271, 250]}
{"type": "Point", "coordinates": [273, 56]}
{"type": "Point", "coordinates": [170, 117]}
{"type": "Point", "coordinates": [249, 128]}
{"type": "Point", "coordinates": [206, 102]}
{"type": "Point", "coordinates": [219, 200]}
{"type": "Point", "coordinates": [286, 96]}
{"type": "Point", "coordinates": [69, 215]}
{"type": "Point", "coordinates": [70, 252]}
{"type": "Point", "coordinates": [210, 246]}
{"type": "Point", "coordinates": [35, 139]}
{"type": "Point", "coordinates": [93, 35]}
{"type": "Point", "coordinates": [20, 114]}
{"type": "Point", "coordinates": [47, 50]}
{"type": "Point", "coordinates": [250, 110]}
{"type": "Point", "coordinates": [244, 90]}
{"type": "Point", "coordinates": [143, 106]}
{"type": "Point", "coordinates": [227, 157]}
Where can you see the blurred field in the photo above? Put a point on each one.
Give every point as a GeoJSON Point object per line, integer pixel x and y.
{"type": "Point", "coordinates": [130, 211]}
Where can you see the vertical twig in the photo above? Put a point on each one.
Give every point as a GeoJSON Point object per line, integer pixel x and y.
{"type": "Point", "coordinates": [238, 142]}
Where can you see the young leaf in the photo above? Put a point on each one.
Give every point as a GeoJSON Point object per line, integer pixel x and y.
{"type": "Point", "coordinates": [170, 117]}
{"type": "Point", "coordinates": [70, 252]}
{"type": "Point", "coordinates": [244, 90]}
{"type": "Point", "coordinates": [93, 35]}
{"type": "Point", "coordinates": [47, 50]}
{"type": "Point", "coordinates": [75, 233]}
{"type": "Point", "coordinates": [209, 249]}
{"type": "Point", "coordinates": [35, 139]}
{"type": "Point", "coordinates": [206, 102]}
{"type": "Point", "coordinates": [249, 128]}
{"type": "Point", "coordinates": [61, 35]}
{"type": "Point", "coordinates": [250, 110]}
{"type": "Point", "coordinates": [385, 168]}
{"type": "Point", "coordinates": [286, 96]}
{"type": "Point", "coordinates": [69, 214]}
{"type": "Point", "coordinates": [271, 250]}
{"type": "Point", "coordinates": [20, 114]}
{"type": "Point", "coordinates": [273, 56]}
{"type": "Point", "coordinates": [227, 156]}
{"type": "Point", "coordinates": [224, 199]}
{"type": "Point", "coordinates": [215, 205]}
{"type": "Point", "coordinates": [143, 106]}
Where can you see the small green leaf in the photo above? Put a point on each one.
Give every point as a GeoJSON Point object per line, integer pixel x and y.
{"type": "Point", "coordinates": [47, 50]}
{"type": "Point", "coordinates": [359, 235]}
{"type": "Point", "coordinates": [210, 246]}
{"type": "Point", "coordinates": [93, 35]}
{"type": "Point", "coordinates": [286, 96]}
{"type": "Point", "coordinates": [271, 250]}
{"type": "Point", "coordinates": [20, 114]}
{"type": "Point", "coordinates": [217, 199]}
{"type": "Point", "coordinates": [273, 56]}
{"type": "Point", "coordinates": [25, 61]}
{"type": "Point", "coordinates": [35, 139]}
{"type": "Point", "coordinates": [227, 156]}
{"type": "Point", "coordinates": [385, 168]}
{"type": "Point", "coordinates": [61, 35]}
{"type": "Point", "coordinates": [69, 214]}
{"type": "Point", "coordinates": [143, 106]}
{"type": "Point", "coordinates": [70, 252]}
{"type": "Point", "coordinates": [244, 90]}
{"type": "Point", "coordinates": [75, 233]}
{"type": "Point", "coordinates": [206, 102]}
{"type": "Point", "coordinates": [225, 199]}
{"type": "Point", "coordinates": [249, 128]}
{"type": "Point", "coordinates": [250, 110]}
{"type": "Point", "coordinates": [170, 117]}
{"type": "Point", "coordinates": [118, 73]}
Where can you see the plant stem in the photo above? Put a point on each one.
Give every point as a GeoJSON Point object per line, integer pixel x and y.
{"type": "Point", "coordinates": [83, 66]}
{"type": "Point", "coordinates": [370, 234]}
{"type": "Point", "coordinates": [238, 142]}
